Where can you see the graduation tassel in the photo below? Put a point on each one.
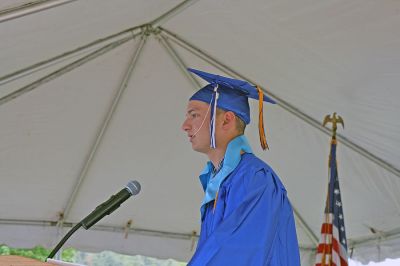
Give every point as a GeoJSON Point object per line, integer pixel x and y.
{"type": "Point", "coordinates": [214, 114]}
{"type": "Point", "coordinates": [215, 201]}
{"type": "Point", "coordinates": [261, 131]}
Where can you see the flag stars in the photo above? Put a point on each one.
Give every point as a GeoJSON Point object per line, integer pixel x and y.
{"type": "Point", "coordinates": [336, 220]}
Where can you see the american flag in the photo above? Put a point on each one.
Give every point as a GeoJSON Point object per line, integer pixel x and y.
{"type": "Point", "coordinates": [332, 247]}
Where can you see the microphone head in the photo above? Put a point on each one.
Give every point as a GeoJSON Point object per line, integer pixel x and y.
{"type": "Point", "coordinates": [133, 187]}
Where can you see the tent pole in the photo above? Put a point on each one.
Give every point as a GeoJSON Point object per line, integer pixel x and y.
{"type": "Point", "coordinates": [45, 63]}
{"type": "Point", "coordinates": [198, 54]}
{"type": "Point", "coordinates": [158, 21]}
{"type": "Point", "coordinates": [61, 71]}
{"type": "Point", "coordinates": [171, 13]}
{"type": "Point", "coordinates": [381, 235]}
{"type": "Point", "coordinates": [106, 228]}
{"type": "Point", "coordinates": [306, 227]}
{"type": "Point", "coordinates": [100, 134]}
{"type": "Point", "coordinates": [30, 8]}
{"type": "Point", "coordinates": [282, 103]}
{"type": "Point", "coordinates": [178, 60]}
{"type": "Point", "coordinates": [392, 234]}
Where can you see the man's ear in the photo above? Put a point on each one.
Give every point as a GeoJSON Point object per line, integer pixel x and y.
{"type": "Point", "coordinates": [229, 119]}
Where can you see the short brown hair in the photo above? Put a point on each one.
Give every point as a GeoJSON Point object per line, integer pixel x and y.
{"type": "Point", "coordinates": [240, 124]}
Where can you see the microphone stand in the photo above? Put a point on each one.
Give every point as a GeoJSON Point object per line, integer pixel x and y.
{"type": "Point", "coordinates": [63, 240]}
{"type": "Point", "coordinates": [107, 207]}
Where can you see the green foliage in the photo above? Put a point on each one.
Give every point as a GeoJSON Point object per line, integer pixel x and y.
{"type": "Point", "coordinates": [105, 258]}
{"type": "Point", "coordinates": [108, 258]}
{"type": "Point", "coordinates": [68, 254]}
{"type": "Point", "coordinates": [4, 250]}
{"type": "Point", "coordinates": [38, 252]}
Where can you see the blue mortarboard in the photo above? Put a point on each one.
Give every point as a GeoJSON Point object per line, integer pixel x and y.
{"type": "Point", "coordinates": [231, 95]}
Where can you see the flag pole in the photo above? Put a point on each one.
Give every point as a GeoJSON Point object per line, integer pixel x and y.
{"type": "Point", "coordinates": [330, 250]}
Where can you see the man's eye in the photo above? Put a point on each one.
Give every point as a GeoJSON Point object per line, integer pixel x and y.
{"type": "Point", "coordinates": [194, 115]}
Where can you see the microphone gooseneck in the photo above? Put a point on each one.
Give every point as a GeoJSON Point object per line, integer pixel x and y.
{"type": "Point", "coordinates": [107, 207]}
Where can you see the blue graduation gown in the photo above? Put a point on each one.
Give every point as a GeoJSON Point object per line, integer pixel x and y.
{"type": "Point", "coordinates": [252, 223]}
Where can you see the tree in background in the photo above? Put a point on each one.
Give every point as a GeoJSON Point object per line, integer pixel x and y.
{"type": "Point", "coordinates": [90, 259]}
{"type": "Point", "coordinates": [38, 252]}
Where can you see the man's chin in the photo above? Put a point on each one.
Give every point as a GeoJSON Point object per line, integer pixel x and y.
{"type": "Point", "coordinates": [196, 148]}
{"type": "Point", "coordinates": [200, 149]}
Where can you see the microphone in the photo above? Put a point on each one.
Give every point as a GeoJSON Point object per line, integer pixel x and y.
{"type": "Point", "coordinates": [107, 207]}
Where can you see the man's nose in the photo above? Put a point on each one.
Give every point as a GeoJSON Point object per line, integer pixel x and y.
{"type": "Point", "coordinates": [185, 126]}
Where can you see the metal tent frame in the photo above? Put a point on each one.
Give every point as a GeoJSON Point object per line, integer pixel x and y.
{"type": "Point", "coordinates": [101, 46]}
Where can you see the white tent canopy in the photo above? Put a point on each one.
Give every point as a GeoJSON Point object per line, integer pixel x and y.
{"type": "Point", "coordinates": [93, 93]}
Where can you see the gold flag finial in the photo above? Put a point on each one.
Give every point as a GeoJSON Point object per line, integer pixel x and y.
{"type": "Point", "coordinates": [334, 119]}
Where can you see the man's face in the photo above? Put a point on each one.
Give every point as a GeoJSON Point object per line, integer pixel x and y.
{"type": "Point", "coordinates": [197, 125]}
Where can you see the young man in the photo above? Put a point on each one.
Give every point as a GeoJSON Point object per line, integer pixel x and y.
{"type": "Point", "coordinates": [246, 217]}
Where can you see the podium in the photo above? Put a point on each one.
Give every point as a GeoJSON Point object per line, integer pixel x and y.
{"type": "Point", "coordinates": [11, 260]}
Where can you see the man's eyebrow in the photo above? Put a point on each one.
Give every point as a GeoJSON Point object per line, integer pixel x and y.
{"type": "Point", "coordinates": [191, 110]}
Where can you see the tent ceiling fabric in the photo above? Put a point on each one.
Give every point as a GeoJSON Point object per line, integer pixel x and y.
{"type": "Point", "coordinates": [318, 56]}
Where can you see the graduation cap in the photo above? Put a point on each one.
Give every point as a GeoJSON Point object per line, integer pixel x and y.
{"type": "Point", "coordinates": [231, 95]}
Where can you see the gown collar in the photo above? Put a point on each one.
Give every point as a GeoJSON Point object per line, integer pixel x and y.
{"type": "Point", "coordinates": [230, 162]}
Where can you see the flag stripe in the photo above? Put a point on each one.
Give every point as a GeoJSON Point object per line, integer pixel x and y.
{"type": "Point", "coordinates": [332, 248]}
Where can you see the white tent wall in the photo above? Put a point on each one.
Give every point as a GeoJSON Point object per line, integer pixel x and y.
{"type": "Point", "coordinates": [99, 239]}
{"type": "Point", "coordinates": [61, 146]}
{"type": "Point", "coordinates": [307, 257]}
{"type": "Point", "coordinates": [377, 250]}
